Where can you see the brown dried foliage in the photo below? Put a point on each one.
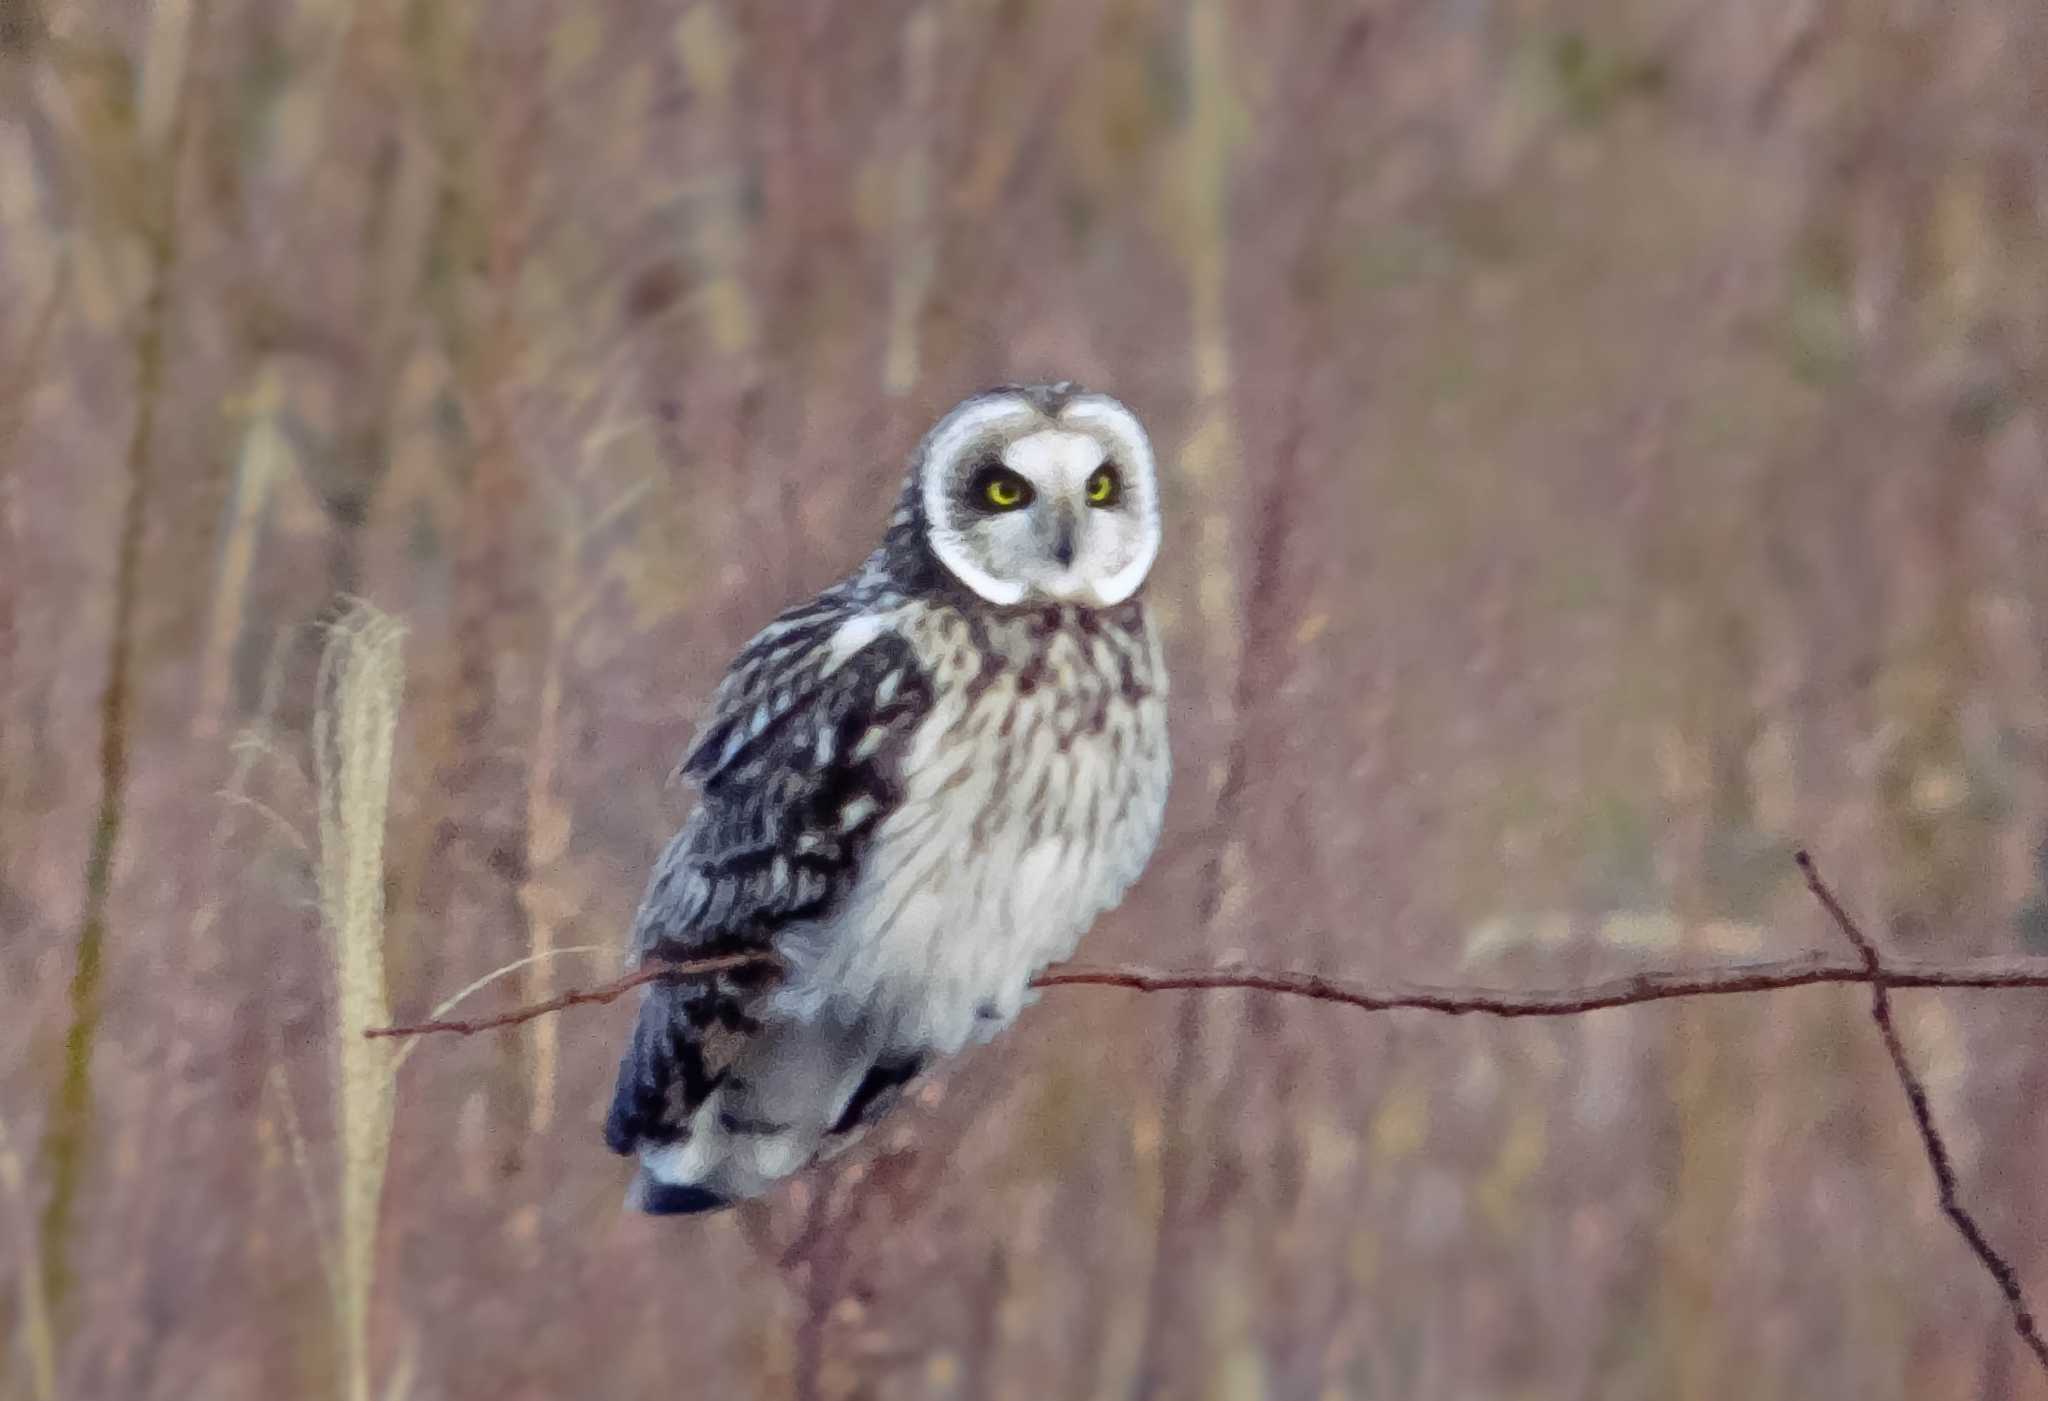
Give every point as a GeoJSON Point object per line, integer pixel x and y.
{"type": "Point", "coordinates": [1608, 448]}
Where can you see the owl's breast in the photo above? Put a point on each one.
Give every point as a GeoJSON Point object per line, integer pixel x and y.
{"type": "Point", "coordinates": [1031, 798]}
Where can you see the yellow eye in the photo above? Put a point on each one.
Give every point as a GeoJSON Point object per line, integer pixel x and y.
{"type": "Point", "coordinates": [1103, 487]}
{"type": "Point", "coordinates": [1000, 489]}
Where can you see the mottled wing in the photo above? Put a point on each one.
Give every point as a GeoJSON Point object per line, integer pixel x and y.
{"type": "Point", "coordinates": [795, 768]}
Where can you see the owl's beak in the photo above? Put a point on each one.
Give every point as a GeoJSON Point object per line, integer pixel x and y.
{"type": "Point", "coordinates": [1063, 537]}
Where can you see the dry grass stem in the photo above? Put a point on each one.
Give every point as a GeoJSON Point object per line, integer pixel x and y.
{"type": "Point", "coordinates": [39, 1339]}
{"type": "Point", "coordinates": [361, 676]}
{"type": "Point", "coordinates": [302, 1167]}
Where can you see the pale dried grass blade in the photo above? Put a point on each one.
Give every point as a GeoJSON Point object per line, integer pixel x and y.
{"type": "Point", "coordinates": [39, 1339]}
{"type": "Point", "coordinates": [361, 676]}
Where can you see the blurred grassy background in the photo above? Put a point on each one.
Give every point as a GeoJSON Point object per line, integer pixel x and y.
{"type": "Point", "coordinates": [1608, 444]}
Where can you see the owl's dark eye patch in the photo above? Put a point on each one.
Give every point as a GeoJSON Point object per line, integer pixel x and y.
{"type": "Point", "coordinates": [994, 487]}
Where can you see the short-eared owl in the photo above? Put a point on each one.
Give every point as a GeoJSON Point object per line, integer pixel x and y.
{"type": "Point", "coordinates": [917, 789]}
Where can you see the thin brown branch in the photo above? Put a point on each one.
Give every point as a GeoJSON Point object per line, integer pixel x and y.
{"type": "Point", "coordinates": [1879, 974]}
{"type": "Point", "coordinates": [1635, 989]}
{"type": "Point", "coordinates": [604, 992]}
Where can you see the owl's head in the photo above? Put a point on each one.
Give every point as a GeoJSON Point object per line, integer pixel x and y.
{"type": "Point", "coordinates": [1041, 493]}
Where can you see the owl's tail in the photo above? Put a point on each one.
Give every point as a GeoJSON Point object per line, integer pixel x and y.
{"type": "Point", "coordinates": [790, 1092]}
{"type": "Point", "coordinates": [661, 1082]}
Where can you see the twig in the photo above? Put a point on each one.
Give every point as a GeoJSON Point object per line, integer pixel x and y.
{"type": "Point", "coordinates": [1804, 970]}
{"type": "Point", "coordinates": [1633, 990]}
{"type": "Point", "coordinates": [68, 1138]}
{"type": "Point", "coordinates": [1880, 976]}
{"type": "Point", "coordinates": [604, 992]}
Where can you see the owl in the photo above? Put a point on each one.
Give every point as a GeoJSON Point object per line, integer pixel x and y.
{"type": "Point", "coordinates": [916, 790]}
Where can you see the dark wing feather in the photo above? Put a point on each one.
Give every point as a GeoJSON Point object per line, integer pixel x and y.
{"type": "Point", "coordinates": [795, 767]}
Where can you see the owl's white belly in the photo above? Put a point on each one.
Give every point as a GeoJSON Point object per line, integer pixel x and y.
{"type": "Point", "coordinates": [1030, 800]}
{"type": "Point", "coordinates": [1006, 848]}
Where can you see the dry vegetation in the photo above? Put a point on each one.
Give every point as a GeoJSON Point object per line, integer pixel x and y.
{"type": "Point", "coordinates": [1610, 446]}
{"type": "Point", "coordinates": [361, 679]}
